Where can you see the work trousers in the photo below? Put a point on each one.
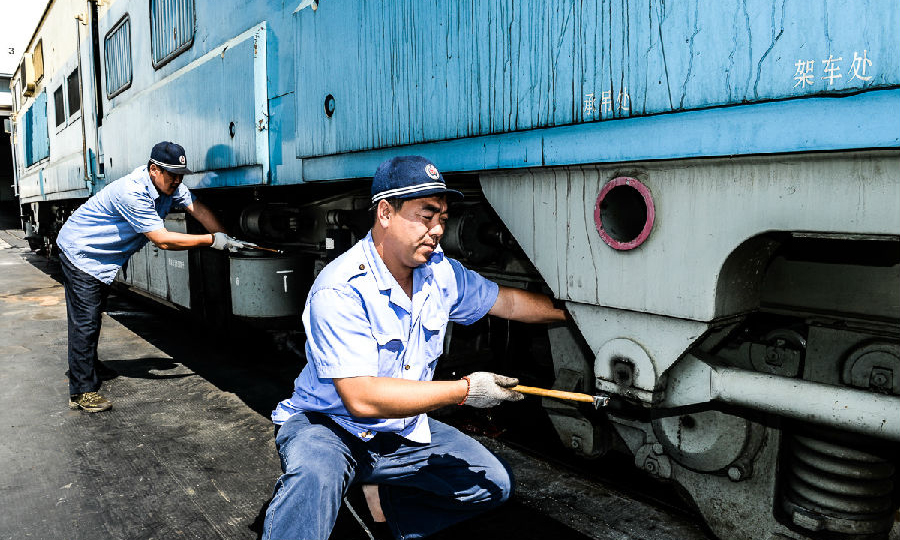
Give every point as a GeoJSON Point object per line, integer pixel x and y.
{"type": "Point", "coordinates": [85, 300]}
{"type": "Point", "coordinates": [423, 487]}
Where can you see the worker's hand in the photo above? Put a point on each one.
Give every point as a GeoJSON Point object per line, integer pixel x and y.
{"type": "Point", "coordinates": [489, 389]}
{"type": "Point", "coordinates": [223, 241]}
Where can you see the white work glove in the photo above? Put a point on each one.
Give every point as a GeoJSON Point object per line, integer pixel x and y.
{"type": "Point", "coordinates": [223, 241]}
{"type": "Point", "coordinates": [489, 389]}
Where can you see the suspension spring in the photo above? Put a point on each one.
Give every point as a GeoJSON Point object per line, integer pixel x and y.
{"type": "Point", "coordinates": [830, 485]}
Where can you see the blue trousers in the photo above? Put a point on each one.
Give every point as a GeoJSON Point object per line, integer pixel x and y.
{"type": "Point", "coordinates": [423, 487]}
{"type": "Point", "coordinates": [85, 298]}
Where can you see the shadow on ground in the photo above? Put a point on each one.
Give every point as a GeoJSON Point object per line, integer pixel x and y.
{"type": "Point", "coordinates": [260, 371]}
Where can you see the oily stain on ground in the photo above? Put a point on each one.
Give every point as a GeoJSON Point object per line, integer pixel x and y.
{"type": "Point", "coordinates": [42, 301]}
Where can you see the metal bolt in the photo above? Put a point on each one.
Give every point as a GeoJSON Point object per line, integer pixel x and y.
{"type": "Point", "coordinates": [575, 442]}
{"type": "Point", "coordinates": [658, 448]}
{"type": "Point", "coordinates": [880, 378]}
{"type": "Point", "coordinates": [651, 466]}
{"type": "Point", "coordinates": [623, 371]}
{"type": "Point", "coordinates": [736, 474]}
{"type": "Point", "coordinates": [774, 356]}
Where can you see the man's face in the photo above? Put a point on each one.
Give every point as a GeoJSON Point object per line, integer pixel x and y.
{"type": "Point", "coordinates": [166, 182]}
{"type": "Point", "coordinates": [414, 231]}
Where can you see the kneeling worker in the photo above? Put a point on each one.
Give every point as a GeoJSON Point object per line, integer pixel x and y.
{"type": "Point", "coordinates": [99, 238]}
{"type": "Point", "coordinates": [375, 321]}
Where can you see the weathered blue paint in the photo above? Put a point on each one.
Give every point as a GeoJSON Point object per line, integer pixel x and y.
{"type": "Point", "coordinates": [486, 84]}
{"type": "Point", "coordinates": [239, 176]}
{"type": "Point", "coordinates": [260, 99]}
{"type": "Point", "coordinates": [413, 72]}
{"type": "Point", "coordinates": [196, 106]}
{"type": "Point", "coordinates": [92, 178]}
{"type": "Point", "coordinates": [37, 141]}
{"type": "Point", "coordinates": [868, 120]}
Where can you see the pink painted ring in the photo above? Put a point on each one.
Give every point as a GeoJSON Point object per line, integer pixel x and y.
{"type": "Point", "coordinates": [644, 192]}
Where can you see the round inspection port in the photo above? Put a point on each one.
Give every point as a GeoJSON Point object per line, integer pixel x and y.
{"type": "Point", "coordinates": [624, 213]}
{"type": "Point", "coordinates": [329, 105]}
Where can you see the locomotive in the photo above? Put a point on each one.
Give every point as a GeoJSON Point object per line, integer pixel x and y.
{"type": "Point", "coordinates": [711, 188]}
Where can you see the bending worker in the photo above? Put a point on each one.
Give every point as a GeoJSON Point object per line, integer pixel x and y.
{"type": "Point", "coordinates": [99, 238]}
{"type": "Point", "coordinates": [375, 321]}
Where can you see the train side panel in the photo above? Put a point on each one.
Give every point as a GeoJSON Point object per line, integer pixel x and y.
{"type": "Point", "coordinates": [413, 73]}
{"type": "Point", "coordinates": [711, 188]}
{"type": "Point", "coordinates": [48, 141]}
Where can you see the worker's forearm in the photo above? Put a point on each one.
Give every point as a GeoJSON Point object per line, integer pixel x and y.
{"type": "Point", "coordinates": [385, 397]}
{"type": "Point", "coordinates": [175, 241]}
{"type": "Point", "coordinates": [536, 308]}
{"type": "Point", "coordinates": [525, 306]}
{"type": "Point", "coordinates": [206, 217]}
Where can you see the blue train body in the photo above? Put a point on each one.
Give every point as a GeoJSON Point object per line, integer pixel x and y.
{"type": "Point", "coordinates": [713, 188]}
{"type": "Point", "coordinates": [485, 85]}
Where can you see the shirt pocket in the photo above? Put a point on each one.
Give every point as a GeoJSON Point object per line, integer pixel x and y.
{"type": "Point", "coordinates": [434, 327]}
{"type": "Point", "coordinates": [390, 351]}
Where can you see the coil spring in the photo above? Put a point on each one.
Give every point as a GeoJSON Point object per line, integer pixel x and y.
{"type": "Point", "coordinates": [829, 486]}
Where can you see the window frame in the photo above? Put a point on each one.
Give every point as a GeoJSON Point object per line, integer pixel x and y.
{"type": "Point", "coordinates": [181, 48]}
{"type": "Point", "coordinates": [67, 83]}
{"type": "Point", "coordinates": [38, 52]}
{"type": "Point", "coordinates": [125, 19]}
{"type": "Point", "coordinates": [61, 117]}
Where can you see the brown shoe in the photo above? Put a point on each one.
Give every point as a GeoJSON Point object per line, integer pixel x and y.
{"type": "Point", "coordinates": [89, 401]}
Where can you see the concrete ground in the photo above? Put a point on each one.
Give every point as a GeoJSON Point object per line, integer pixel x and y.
{"type": "Point", "coordinates": [176, 458]}
{"type": "Point", "coordinates": [187, 451]}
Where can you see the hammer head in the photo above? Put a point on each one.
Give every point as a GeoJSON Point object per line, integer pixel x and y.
{"type": "Point", "coordinates": [601, 400]}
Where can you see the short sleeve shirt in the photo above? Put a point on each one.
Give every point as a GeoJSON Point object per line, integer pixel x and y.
{"type": "Point", "coordinates": [359, 323]}
{"type": "Point", "coordinates": [108, 228]}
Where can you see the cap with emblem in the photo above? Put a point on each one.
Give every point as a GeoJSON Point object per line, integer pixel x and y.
{"type": "Point", "coordinates": [409, 177]}
{"type": "Point", "coordinates": [169, 156]}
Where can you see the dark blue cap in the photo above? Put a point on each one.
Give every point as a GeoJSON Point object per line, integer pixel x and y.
{"type": "Point", "coordinates": [169, 156]}
{"type": "Point", "coordinates": [409, 177]}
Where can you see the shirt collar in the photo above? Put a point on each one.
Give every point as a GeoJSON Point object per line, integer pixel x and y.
{"type": "Point", "coordinates": [385, 281]}
{"type": "Point", "coordinates": [144, 175]}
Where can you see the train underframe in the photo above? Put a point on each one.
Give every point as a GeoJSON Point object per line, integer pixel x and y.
{"type": "Point", "coordinates": [776, 415]}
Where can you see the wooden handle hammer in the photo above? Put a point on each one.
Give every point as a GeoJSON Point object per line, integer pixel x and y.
{"type": "Point", "coordinates": [263, 249]}
{"type": "Point", "coordinates": [598, 401]}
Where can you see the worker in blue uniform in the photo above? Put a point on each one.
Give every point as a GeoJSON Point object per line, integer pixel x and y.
{"type": "Point", "coordinates": [375, 321]}
{"type": "Point", "coordinates": [99, 238]}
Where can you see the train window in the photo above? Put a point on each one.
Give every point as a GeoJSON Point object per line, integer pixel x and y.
{"type": "Point", "coordinates": [172, 26]}
{"type": "Point", "coordinates": [74, 92]}
{"type": "Point", "coordinates": [117, 50]}
{"type": "Point", "coordinates": [37, 60]}
{"type": "Point", "coordinates": [37, 143]}
{"type": "Point", "coordinates": [59, 106]}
